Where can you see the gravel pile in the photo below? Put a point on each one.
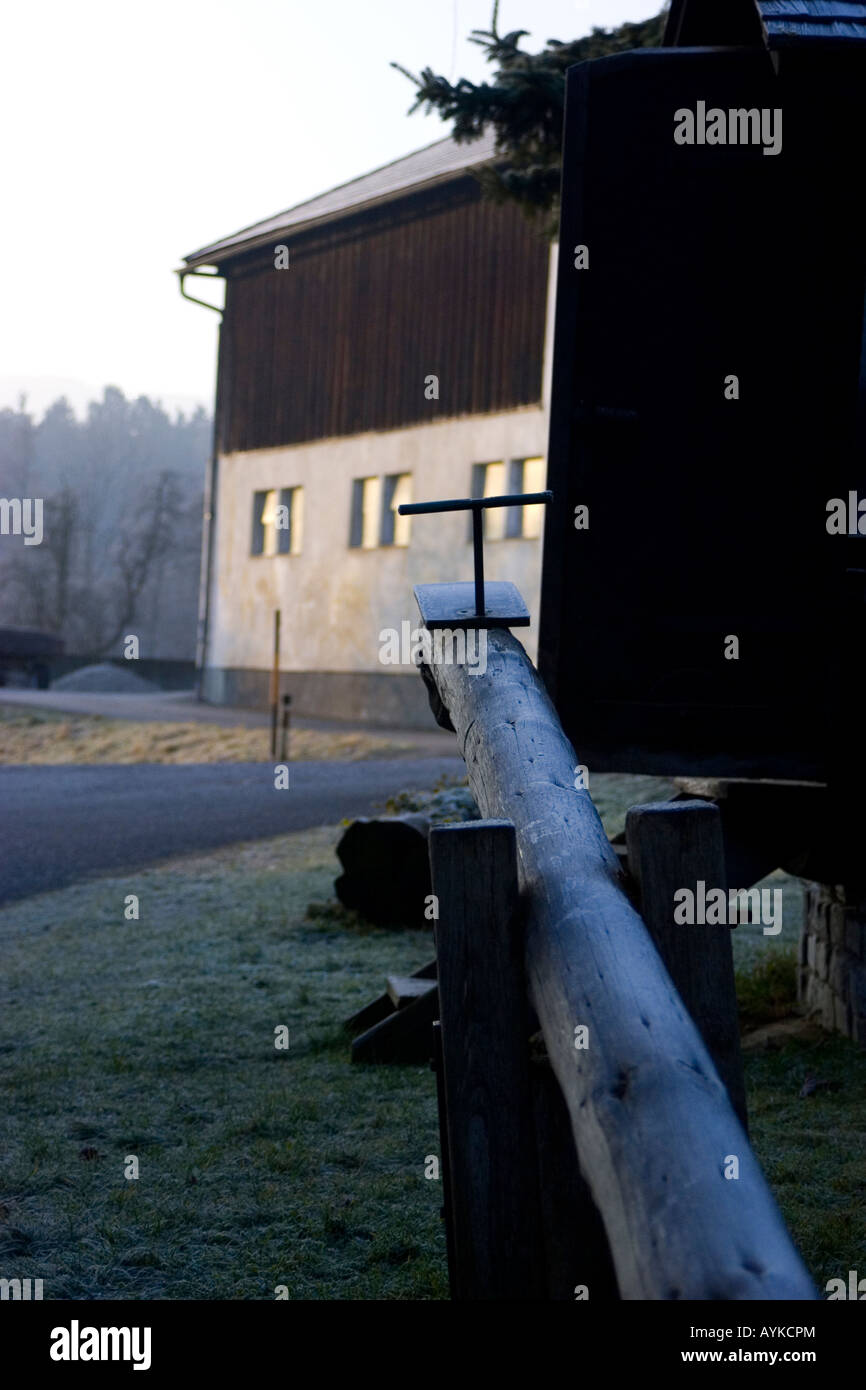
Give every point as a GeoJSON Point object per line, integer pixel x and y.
{"type": "Point", "coordinates": [106, 679]}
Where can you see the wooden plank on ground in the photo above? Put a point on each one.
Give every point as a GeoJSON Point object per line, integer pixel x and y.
{"type": "Point", "coordinates": [404, 1036]}
{"type": "Point", "coordinates": [383, 1006]}
{"type": "Point", "coordinates": [402, 989]}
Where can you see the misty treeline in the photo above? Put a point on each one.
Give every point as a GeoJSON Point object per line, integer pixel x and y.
{"type": "Point", "coordinates": [122, 516]}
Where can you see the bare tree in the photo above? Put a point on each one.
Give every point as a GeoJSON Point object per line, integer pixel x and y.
{"type": "Point", "coordinates": [122, 495]}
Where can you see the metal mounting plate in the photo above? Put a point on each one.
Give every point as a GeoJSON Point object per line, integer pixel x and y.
{"type": "Point", "coordinates": [453, 605]}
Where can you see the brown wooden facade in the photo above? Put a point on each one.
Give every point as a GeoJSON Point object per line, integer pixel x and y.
{"type": "Point", "coordinates": [440, 282]}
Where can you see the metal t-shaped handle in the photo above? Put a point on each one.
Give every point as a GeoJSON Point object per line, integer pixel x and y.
{"type": "Point", "coordinates": [476, 505]}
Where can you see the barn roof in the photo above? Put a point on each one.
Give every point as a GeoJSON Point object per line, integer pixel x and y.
{"type": "Point", "coordinates": [780, 23]}
{"type": "Point", "coordinates": [432, 165]}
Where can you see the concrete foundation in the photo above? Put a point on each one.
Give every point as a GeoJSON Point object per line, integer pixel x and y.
{"type": "Point", "coordinates": [831, 979]}
{"type": "Point", "coordinates": [363, 697]}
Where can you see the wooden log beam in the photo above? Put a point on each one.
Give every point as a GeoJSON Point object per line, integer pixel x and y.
{"type": "Point", "coordinates": [654, 1129]}
{"type": "Point", "coordinates": [386, 869]}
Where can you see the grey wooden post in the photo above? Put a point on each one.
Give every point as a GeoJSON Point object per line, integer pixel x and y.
{"type": "Point", "coordinates": [672, 845]}
{"type": "Point", "coordinates": [485, 1063]}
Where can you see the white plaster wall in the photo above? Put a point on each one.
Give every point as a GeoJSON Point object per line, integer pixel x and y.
{"type": "Point", "coordinates": [335, 600]}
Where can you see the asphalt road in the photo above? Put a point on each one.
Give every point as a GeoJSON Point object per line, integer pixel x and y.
{"type": "Point", "coordinates": [62, 824]}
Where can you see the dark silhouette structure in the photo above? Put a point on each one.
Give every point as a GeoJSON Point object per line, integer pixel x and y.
{"type": "Point", "coordinates": [704, 615]}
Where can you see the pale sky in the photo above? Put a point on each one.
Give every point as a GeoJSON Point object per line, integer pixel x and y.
{"type": "Point", "coordinates": [136, 133]}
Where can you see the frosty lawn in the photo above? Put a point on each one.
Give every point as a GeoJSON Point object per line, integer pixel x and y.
{"type": "Point", "coordinates": [261, 1167]}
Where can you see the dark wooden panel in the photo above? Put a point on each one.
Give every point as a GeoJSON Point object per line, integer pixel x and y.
{"type": "Point", "coordinates": [707, 516]}
{"type": "Point", "coordinates": [340, 343]}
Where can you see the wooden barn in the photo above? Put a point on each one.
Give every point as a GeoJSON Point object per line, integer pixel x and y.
{"type": "Point", "coordinates": [382, 343]}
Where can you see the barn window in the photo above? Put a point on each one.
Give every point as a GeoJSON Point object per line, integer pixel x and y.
{"type": "Point", "coordinates": [264, 511]}
{"type": "Point", "coordinates": [290, 521]}
{"type": "Point", "coordinates": [525, 475]}
{"type": "Point", "coordinates": [278, 521]}
{"type": "Point", "coordinates": [366, 512]}
{"type": "Point", "coordinates": [488, 480]}
{"type": "Point", "coordinates": [396, 491]}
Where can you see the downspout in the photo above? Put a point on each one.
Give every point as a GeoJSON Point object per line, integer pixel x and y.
{"type": "Point", "coordinates": [210, 493]}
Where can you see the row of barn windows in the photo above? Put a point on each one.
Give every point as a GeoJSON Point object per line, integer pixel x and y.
{"type": "Point", "coordinates": [278, 513]}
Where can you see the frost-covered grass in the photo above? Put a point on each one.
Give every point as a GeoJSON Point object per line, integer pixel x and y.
{"type": "Point", "coordinates": [155, 1038]}
{"type": "Point", "coordinates": [46, 736]}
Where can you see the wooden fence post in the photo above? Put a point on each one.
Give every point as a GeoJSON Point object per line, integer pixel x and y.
{"type": "Point", "coordinates": [651, 1118]}
{"type": "Point", "coordinates": [485, 1064]}
{"type": "Point", "coordinates": [444, 1161]}
{"type": "Point", "coordinates": [576, 1250]}
{"type": "Point", "coordinates": [673, 845]}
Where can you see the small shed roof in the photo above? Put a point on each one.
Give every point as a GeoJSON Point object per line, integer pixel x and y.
{"type": "Point", "coordinates": [791, 20]}
{"type": "Point", "coordinates": [434, 164]}
{"type": "Point", "coordinates": [779, 23]}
